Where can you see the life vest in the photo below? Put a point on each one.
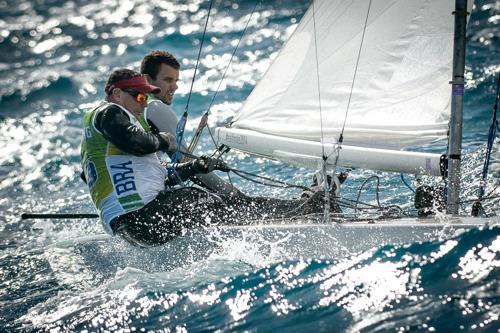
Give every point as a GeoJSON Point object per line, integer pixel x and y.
{"type": "Point", "coordinates": [118, 182]}
{"type": "Point", "coordinates": [152, 101]}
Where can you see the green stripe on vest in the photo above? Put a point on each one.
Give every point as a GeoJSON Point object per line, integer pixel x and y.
{"type": "Point", "coordinates": [130, 199]}
{"type": "Point", "coordinates": [131, 207]}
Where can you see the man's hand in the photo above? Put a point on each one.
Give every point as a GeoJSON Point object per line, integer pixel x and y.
{"type": "Point", "coordinates": [205, 164]}
{"type": "Point", "coordinates": [167, 142]}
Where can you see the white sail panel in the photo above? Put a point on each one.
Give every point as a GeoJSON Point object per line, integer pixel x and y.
{"type": "Point", "coordinates": [401, 94]}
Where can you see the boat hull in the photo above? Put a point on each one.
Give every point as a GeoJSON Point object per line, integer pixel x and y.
{"type": "Point", "coordinates": [306, 238]}
{"type": "Point", "coordinates": [331, 240]}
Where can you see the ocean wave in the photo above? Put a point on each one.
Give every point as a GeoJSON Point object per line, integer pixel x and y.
{"type": "Point", "coordinates": [45, 90]}
{"type": "Point", "coordinates": [450, 286]}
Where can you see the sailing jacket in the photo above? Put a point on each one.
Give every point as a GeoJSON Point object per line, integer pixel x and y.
{"type": "Point", "coordinates": [122, 171]}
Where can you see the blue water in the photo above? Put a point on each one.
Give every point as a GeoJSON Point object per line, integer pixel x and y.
{"type": "Point", "coordinates": [66, 275]}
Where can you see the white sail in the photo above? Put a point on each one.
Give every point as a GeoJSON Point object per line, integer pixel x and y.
{"type": "Point", "coordinates": [400, 95]}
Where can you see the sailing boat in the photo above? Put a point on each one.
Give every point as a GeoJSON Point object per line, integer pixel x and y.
{"type": "Point", "coordinates": [355, 84]}
{"type": "Point", "coordinates": [377, 76]}
{"type": "Point", "coordinates": [363, 84]}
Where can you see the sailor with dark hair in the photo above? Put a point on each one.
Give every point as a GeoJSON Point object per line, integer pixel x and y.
{"type": "Point", "coordinates": [161, 69]}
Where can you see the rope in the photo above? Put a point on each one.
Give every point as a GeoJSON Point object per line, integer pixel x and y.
{"type": "Point", "coordinates": [491, 192]}
{"type": "Point", "coordinates": [491, 138]}
{"type": "Point", "coordinates": [407, 185]}
{"type": "Point", "coordinates": [244, 174]}
{"type": "Point", "coordinates": [482, 199]}
{"type": "Point", "coordinates": [376, 191]}
{"type": "Point", "coordinates": [344, 202]}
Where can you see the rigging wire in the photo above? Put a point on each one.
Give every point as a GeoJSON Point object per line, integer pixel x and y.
{"type": "Point", "coordinates": [491, 138]}
{"type": "Point", "coordinates": [327, 186]}
{"type": "Point", "coordinates": [491, 192]}
{"type": "Point", "coordinates": [232, 55]}
{"type": "Point", "coordinates": [341, 137]}
{"type": "Point", "coordinates": [318, 83]}
{"type": "Point", "coordinates": [199, 55]}
{"type": "Point", "coordinates": [181, 125]}
{"type": "Point", "coordinates": [203, 121]}
{"type": "Point", "coordinates": [477, 207]}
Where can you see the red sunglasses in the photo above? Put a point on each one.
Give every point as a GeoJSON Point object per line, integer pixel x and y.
{"type": "Point", "coordinates": [139, 97]}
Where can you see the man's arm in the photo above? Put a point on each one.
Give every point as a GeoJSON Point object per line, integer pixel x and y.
{"type": "Point", "coordinates": [116, 127]}
{"type": "Point", "coordinates": [200, 165]}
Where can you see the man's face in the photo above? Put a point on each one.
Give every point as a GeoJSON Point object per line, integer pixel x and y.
{"type": "Point", "coordinates": [166, 79]}
{"type": "Point", "coordinates": [129, 100]}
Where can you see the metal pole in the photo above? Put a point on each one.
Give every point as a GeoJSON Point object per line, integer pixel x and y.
{"type": "Point", "coordinates": [457, 96]}
{"type": "Point", "coordinates": [26, 216]}
{"type": "Point", "coordinates": [327, 187]}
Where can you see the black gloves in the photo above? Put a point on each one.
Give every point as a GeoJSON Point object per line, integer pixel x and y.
{"type": "Point", "coordinates": [167, 142]}
{"type": "Point", "coordinates": [201, 165]}
{"type": "Point", "coordinates": [205, 164]}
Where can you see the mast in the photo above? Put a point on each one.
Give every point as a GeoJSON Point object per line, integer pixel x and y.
{"type": "Point", "coordinates": [457, 96]}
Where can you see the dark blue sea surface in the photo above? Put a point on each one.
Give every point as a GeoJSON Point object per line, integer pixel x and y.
{"type": "Point", "coordinates": [66, 275]}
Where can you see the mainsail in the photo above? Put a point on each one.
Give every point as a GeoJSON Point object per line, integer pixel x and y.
{"type": "Point", "coordinates": [395, 95]}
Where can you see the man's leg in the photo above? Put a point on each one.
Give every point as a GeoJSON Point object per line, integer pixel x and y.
{"type": "Point", "coordinates": [160, 220]}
